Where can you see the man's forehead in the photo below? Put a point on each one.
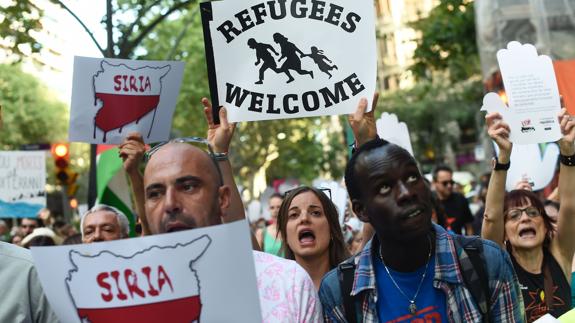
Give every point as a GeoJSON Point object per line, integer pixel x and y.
{"type": "Point", "coordinates": [100, 215]}
{"type": "Point", "coordinates": [384, 158]}
{"type": "Point", "coordinates": [177, 160]}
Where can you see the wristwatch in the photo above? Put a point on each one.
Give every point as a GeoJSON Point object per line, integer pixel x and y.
{"type": "Point", "coordinates": [498, 166]}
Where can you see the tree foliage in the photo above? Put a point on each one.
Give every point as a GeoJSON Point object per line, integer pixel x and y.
{"type": "Point", "coordinates": [18, 19]}
{"type": "Point", "coordinates": [30, 114]}
{"type": "Point", "coordinates": [448, 41]}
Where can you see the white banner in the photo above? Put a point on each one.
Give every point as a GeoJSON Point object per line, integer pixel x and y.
{"type": "Point", "coordinates": [290, 58]}
{"type": "Point", "coordinates": [187, 276]}
{"type": "Point", "coordinates": [22, 183]}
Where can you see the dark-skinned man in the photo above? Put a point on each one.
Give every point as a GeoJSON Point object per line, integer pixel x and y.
{"type": "Point", "coordinates": [411, 269]}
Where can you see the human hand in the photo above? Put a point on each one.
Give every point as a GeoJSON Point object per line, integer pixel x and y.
{"type": "Point", "coordinates": [498, 130]}
{"type": "Point", "coordinates": [131, 151]}
{"type": "Point", "coordinates": [567, 123]}
{"type": "Point", "coordinates": [219, 135]}
{"type": "Point", "coordinates": [524, 184]}
{"type": "Point", "coordinates": [363, 123]}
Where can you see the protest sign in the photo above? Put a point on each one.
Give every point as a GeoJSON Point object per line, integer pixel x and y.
{"type": "Point", "coordinates": [390, 129]}
{"type": "Point", "coordinates": [288, 59]}
{"type": "Point", "coordinates": [529, 163]}
{"type": "Point", "coordinates": [531, 87]}
{"type": "Point", "coordinates": [187, 276]}
{"type": "Point", "coordinates": [22, 183]}
{"type": "Point", "coordinates": [111, 97]}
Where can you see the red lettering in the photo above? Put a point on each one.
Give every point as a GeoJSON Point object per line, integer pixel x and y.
{"type": "Point", "coordinates": [433, 317]}
{"type": "Point", "coordinates": [117, 82]}
{"type": "Point", "coordinates": [133, 84]}
{"type": "Point", "coordinates": [163, 278]}
{"type": "Point", "coordinates": [152, 291]}
{"type": "Point", "coordinates": [101, 279]}
{"type": "Point", "coordinates": [148, 85]}
{"type": "Point", "coordinates": [121, 296]}
{"type": "Point", "coordinates": [125, 77]}
{"type": "Point", "coordinates": [132, 283]}
{"type": "Point", "coordinates": [141, 78]}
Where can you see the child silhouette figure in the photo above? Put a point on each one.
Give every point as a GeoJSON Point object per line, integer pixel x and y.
{"type": "Point", "coordinates": [321, 60]}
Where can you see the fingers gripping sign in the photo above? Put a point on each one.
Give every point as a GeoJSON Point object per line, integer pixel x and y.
{"type": "Point", "coordinates": [363, 123]}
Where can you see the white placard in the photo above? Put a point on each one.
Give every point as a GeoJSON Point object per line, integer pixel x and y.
{"type": "Point", "coordinates": [186, 276]}
{"type": "Point", "coordinates": [290, 59]}
{"type": "Point", "coordinates": [394, 131]}
{"type": "Point", "coordinates": [531, 87]}
{"type": "Point", "coordinates": [112, 97]}
{"type": "Point", "coordinates": [22, 183]}
{"type": "Point", "coordinates": [527, 163]}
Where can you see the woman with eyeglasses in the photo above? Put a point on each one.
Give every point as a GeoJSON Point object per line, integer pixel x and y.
{"type": "Point", "coordinates": [517, 220]}
{"type": "Point", "coordinates": [308, 223]}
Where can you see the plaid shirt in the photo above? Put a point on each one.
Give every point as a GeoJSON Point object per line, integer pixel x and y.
{"type": "Point", "coordinates": [506, 303]}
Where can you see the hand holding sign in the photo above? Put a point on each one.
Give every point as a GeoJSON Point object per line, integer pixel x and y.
{"type": "Point", "coordinates": [362, 123]}
{"type": "Point", "coordinates": [219, 135]}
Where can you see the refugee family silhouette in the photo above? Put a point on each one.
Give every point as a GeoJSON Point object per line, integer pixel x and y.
{"type": "Point", "coordinates": [289, 52]}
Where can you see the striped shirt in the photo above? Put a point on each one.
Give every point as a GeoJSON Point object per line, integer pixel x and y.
{"type": "Point", "coordinates": [506, 304]}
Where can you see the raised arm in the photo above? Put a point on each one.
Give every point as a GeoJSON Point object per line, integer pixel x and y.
{"type": "Point", "coordinates": [566, 219]}
{"type": "Point", "coordinates": [131, 152]}
{"type": "Point", "coordinates": [493, 219]}
{"type": "Point", "coordinates": [363, 123]}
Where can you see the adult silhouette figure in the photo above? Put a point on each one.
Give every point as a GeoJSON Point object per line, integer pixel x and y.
{"type": "Point", "coordinates": [290, 52]}
{"type": "Point", "coordinates": [263, 54]}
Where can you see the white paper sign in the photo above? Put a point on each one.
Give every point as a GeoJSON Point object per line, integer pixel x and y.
{"type": "Point", "coordinates": [22, 183]}
{"type": "Point", "coordinates": [390, 129]}
{"type": "Point", "coordinates": [290, 59]}
{"type": "Point", "coordinates": [338, 195]}
{"type": "Point", "coordinates": [188, 276]}
{"type": "Point", "coordinates": [531, 87]}
{"type": "Point", "coordinates": [528, 163]}
{"type": "Point", "coordinates": [111, 97]}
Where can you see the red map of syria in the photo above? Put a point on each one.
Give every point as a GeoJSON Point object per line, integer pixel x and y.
{"type": "Point", "coordinates": [126, 95]}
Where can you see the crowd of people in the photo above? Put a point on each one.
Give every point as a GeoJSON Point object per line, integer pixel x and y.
{"type": "Point", "coordinates": [409, 261]}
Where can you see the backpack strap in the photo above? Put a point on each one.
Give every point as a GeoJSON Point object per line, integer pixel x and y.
{"type": "Point", "coordinates": [472, 263]}
{"type": "Point", "coordinates": [347, 273]}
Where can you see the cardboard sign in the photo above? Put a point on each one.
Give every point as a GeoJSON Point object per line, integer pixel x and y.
{"type": "Point", "coordinates": [288, 59]}
{"type": "Point", "coordinates": [390, 129]}
{"type": "Point", "coordinates": [531, 87]}
{"type": "Point", "coordinates": [111, 97]}
{"type": "Point", "coordinates": [186, 276]}
{"type": "Point", "coordinates": [22, 183]}
{"type": "Point", "coordinates": [528, 163]}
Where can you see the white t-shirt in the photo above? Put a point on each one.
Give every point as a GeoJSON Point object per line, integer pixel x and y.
{"type": "Point", "coordinates": [287, 293]}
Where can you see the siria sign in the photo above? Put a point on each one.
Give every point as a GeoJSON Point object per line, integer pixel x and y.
{"type": "Point", "coordinates": [139, 288]}
{"type": "Point", "coordinates": [289, 58]}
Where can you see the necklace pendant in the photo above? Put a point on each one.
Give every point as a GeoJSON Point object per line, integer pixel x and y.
{"type": "Point", "coordinates": [412, 308]}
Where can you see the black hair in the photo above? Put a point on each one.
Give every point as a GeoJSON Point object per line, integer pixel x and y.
{"type": "Point", "coordinates": [351, 185]}
{"type": "Point", "coordinates": [440, 168]}
{"type": "Point", "coordinates": [276, 194]}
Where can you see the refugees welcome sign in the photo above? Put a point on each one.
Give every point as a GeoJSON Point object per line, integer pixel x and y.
{"type": "Point", "coordinates": [289, 58]}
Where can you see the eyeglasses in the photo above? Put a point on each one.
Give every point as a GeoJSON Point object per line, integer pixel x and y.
{"type": "Point", "coordinates": [205, 145]}
{"type": "Point", "coordinates": [515, 214]}
{"type": "Point", "coordinates": [324, 190]}
{"type": "Point", "coordinates": [447, 183]}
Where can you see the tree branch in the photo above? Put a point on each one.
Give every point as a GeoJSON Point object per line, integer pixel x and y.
{"type": "Point", "coordinates": [180, 37]}
{"type": "Point", "coordinates": [133, 44]}
{"type": "Point", "coordinates": [63, 6]}
{"type": "Point", "coordinates": [126, 34]}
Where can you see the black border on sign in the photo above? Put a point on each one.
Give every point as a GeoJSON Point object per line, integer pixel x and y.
{"type": "Point", "coordinates": [207, 17]}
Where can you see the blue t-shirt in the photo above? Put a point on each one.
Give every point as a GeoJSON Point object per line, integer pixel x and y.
{"type": "Point", "coordinates": [392, 306]}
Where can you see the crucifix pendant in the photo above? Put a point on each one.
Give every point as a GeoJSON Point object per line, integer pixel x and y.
{"type": "Point", "coordinates": [412, 308]}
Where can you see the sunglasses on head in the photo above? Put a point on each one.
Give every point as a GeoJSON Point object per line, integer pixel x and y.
{"type": "Point", "coordinates": [199, 142]}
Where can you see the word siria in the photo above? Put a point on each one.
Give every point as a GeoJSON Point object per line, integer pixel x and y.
{"type": "Point", "coordinates": [131, 83]}
{"type": "Point", "coordinates": [130, 283]}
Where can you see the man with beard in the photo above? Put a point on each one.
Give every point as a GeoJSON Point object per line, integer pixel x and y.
{"type": "Point", "coordinates": [184, 189]}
